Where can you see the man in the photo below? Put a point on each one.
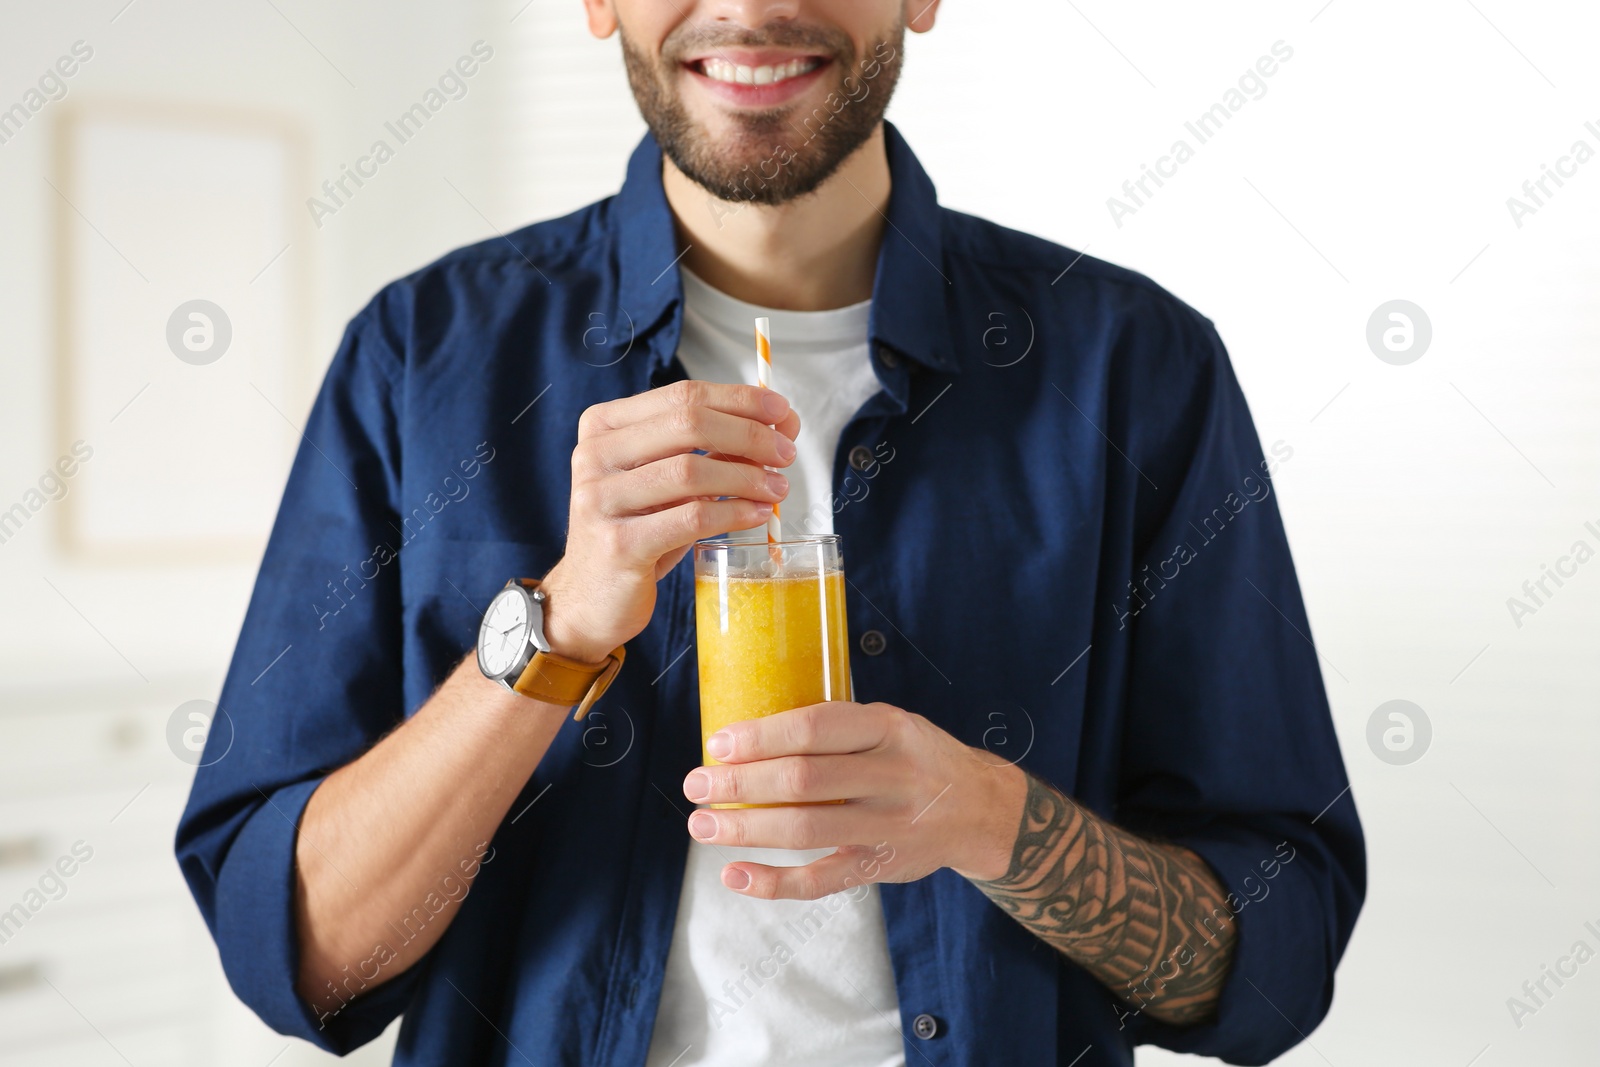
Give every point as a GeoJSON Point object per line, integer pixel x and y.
{"type": "Point", "coordinates": [1092, 796]}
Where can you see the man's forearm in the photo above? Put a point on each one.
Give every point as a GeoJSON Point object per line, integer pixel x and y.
{"type": "Point", "coordinates": [389, 843]}
{"type": "Point", "coordinates": [1147, 919]}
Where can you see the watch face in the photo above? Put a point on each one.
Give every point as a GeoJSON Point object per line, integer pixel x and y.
{"type": "Point", "coordinates": [504, 634]}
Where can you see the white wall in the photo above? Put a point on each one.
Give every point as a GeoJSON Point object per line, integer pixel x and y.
{"type": "Point", "coordinates": [1420, 497]}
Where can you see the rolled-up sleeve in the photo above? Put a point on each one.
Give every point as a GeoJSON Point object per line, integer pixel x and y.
{"type": "Point", "coordinates": [1230, 748]}
{"type": "Point", "coordinates": [315, 680]}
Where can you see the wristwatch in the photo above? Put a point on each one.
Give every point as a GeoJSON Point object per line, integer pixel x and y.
{"type": "Point", "coordinates": [513, 651]}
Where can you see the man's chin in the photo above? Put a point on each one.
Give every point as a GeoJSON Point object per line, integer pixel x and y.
{"type": "Point", "coordinates": [767, 177]}
{"type": "Point", "coordinates": [729, 158]}
{"type": "Point", "coordinates": [734, 133]}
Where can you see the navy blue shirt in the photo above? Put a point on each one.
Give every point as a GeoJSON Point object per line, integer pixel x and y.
{"type": "Point", "coordinates": [1062, 543]}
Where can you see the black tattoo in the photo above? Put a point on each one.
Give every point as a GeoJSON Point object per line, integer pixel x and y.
{"type": "Point", "coordinates": [1147, 919]}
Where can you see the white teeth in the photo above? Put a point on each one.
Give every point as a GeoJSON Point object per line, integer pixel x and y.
{"type": "Point", "coordinates": [723, 71]}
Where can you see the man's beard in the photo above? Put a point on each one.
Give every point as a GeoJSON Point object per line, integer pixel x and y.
{"type": "Point", "coordinates": [781, 153]}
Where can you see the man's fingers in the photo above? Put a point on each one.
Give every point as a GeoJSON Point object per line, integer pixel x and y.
{"type": "Point", "coordinates": [687, 476]}
{"type": "Point", "coordinates": [820, 729]}
{"type": "Point", "coordinates": [789, 425]}
{"type": "Point", "coordinates": [793, 826]}
{"type": "Point", "coordinates": [680, 430]}
{"type": "Point", "coordinates": [745, 401]}
{"type": "Point", "coordinates": [839, 873]}
{"type": "Point", "coordinates": [653, 536]}
{"type": "Point", "coordinates": [788, 780]}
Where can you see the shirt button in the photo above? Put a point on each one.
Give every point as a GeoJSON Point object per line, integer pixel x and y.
{"type": "Point", "coordinates": [889, 360]}
{"type": "Point", "coordinates": [861, 457]}
{"type": "Point", "coordinates": [873, 643]}
{"type": "Point", "coordinates": [925, 1026]}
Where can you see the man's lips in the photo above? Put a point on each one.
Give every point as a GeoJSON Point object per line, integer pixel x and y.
{"type": "Point", "coordinates": [756, 79]}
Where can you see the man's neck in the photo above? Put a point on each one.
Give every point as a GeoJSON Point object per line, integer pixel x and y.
{"type": "Point", "coordinates": [810, 254]}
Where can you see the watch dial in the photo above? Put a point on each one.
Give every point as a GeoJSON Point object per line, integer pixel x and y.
{"type": "Point", "coordinates": [505, 632]}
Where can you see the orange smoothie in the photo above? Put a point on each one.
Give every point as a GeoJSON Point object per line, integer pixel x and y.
{"type": "Point", "coordinates": [769, 644]}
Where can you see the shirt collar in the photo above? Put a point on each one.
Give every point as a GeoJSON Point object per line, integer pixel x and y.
{"type": "Point", "coordinates": [647, 285]}
{"type": "Point", "coordinates": [910, 311]}
{"type": "Point", "coordinates": [909, 307]}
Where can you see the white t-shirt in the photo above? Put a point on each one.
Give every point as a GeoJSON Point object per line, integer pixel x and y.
{"type": "Point", "coordinates": [782, 983]}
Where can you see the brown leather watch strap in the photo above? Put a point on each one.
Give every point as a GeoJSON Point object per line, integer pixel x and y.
{"type": "Point", "coordinates": [555, 679]}
{"type": "Point", "coordinates": [558, 680]}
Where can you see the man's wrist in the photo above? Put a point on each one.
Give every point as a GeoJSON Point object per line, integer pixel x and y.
{"type": "Point", "coordinates": [998, 821]}
{"type": "Point", "coordinates": [563, 624]}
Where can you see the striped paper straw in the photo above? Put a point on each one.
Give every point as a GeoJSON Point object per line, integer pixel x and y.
{"type": "Point", "coordinates": [764, 379]}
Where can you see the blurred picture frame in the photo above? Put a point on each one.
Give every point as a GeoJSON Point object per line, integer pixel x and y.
{"type": "Point", "coordinates": [181, 287]}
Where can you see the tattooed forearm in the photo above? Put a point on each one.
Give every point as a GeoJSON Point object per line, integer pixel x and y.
{"type": "Point", "coordinates": [1147, 919]}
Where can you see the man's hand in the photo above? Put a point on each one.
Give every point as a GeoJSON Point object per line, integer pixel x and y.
{"type": "Point", "coordinates": [1149, 920]}
{"type": "Point", "coordinates": [641, 496]}
{"type": "Point", "coordinates": [905, 784]}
